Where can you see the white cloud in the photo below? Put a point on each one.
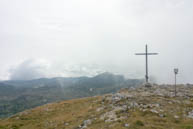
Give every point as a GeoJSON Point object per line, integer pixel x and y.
{"type": "Point", "coordinates": [102, 32]}
{"type": "Point", "coordinates": [29, 69]}
{"type": "Point", "coordinates": [40, 68]}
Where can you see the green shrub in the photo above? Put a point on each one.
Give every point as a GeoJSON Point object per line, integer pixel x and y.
{"type": "Point", "coordinates": [2, 127]}
{"type": "Point", "coordinates": [15, 127]}
{"type": "Point", "coordinates": [139, 123]}
{"type": "Point", "coordinates": [189, 127]}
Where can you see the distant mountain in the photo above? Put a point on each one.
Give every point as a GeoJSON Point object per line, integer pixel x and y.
{"type": "Point", "coordinates": [18, 95]}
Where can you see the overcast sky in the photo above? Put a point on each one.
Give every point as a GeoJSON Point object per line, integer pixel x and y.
{"type": "Point", "coordinates": [48, 38]}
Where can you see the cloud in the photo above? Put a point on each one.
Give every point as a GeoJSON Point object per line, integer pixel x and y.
{"type": "Point", "coordinates": [102, 32]}
{"type": "Point", "coordinates": [40, 68]}
{"type": "Point", "coordinates": [82, 70]}
{"type": "Point", "coordinates": [29, 69]}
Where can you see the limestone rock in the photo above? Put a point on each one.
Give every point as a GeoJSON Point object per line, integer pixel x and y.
{"type": "Point", "coordinates": [190, 114]}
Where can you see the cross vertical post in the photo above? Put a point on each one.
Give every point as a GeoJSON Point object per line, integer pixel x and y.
{"type": "Point", "coordinates": [175, 85]}
{"type": "Point", "coordinates": [175, 72]}
{"type": "Point", "coordinates": [146, 60]}
{"type": "Point", "coordinates": [146, 76]}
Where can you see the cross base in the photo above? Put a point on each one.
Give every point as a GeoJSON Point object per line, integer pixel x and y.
{"type": "Point", "coordinates": [148, 85]}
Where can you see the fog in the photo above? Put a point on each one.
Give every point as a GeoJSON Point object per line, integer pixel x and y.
{"type": "Point", "coordinates": [49, 38]}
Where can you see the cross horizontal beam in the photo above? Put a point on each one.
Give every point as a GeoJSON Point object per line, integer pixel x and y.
{"type": "Point", "coordinates": [145, 53]}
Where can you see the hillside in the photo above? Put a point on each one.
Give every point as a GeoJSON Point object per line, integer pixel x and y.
{"type": "Point", "coordinates": [132, 108]}
{"type": "Point", "coordinates": [18, 95]}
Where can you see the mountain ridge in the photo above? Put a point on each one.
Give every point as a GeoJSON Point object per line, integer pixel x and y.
{"type": "Point", "coordinates": [28, 94]}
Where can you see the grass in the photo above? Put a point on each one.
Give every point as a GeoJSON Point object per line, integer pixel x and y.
{"type": "Point", "coordinates": [139, 123]}
{"type": "Point", "coordinates": [72, 113]}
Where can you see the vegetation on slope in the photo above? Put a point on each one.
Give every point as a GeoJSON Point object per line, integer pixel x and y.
{"type": "Point", "coordinates": [139, 108]}
{"type": "Point", "coordinates": [17, 96]}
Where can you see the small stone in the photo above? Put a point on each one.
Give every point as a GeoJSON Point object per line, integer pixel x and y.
{"type": "Point", "coordinates": [87, 122]}
{"type": "Point", "coordinates": [100, 109]}
{"type": "Point", "coordinates": [190, 114]}
{"type": "Point", "coordinates": [66, 124]}
{"type": "Point", "coordinates": [157, 105]}
{"type": "Point", "coordinates": [170, 102]}
{"type": "Point", "coordinates": [126, 125]}
{"type": "Point", "coordinates": [17, 118]}
{"type": "Point", "coordinates": [154, 111]}
{"type": "Point", "coordinates": [148, 85]}
{"type": "Point", "coordinates": [176, 117]}
{"type": "Point", "coordinates": [161, 115]}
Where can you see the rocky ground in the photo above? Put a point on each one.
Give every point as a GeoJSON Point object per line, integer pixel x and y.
{"type": "Point", "coordinates": [157, 100]}
{"type": "Point", "coordinates": [134, 108]}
